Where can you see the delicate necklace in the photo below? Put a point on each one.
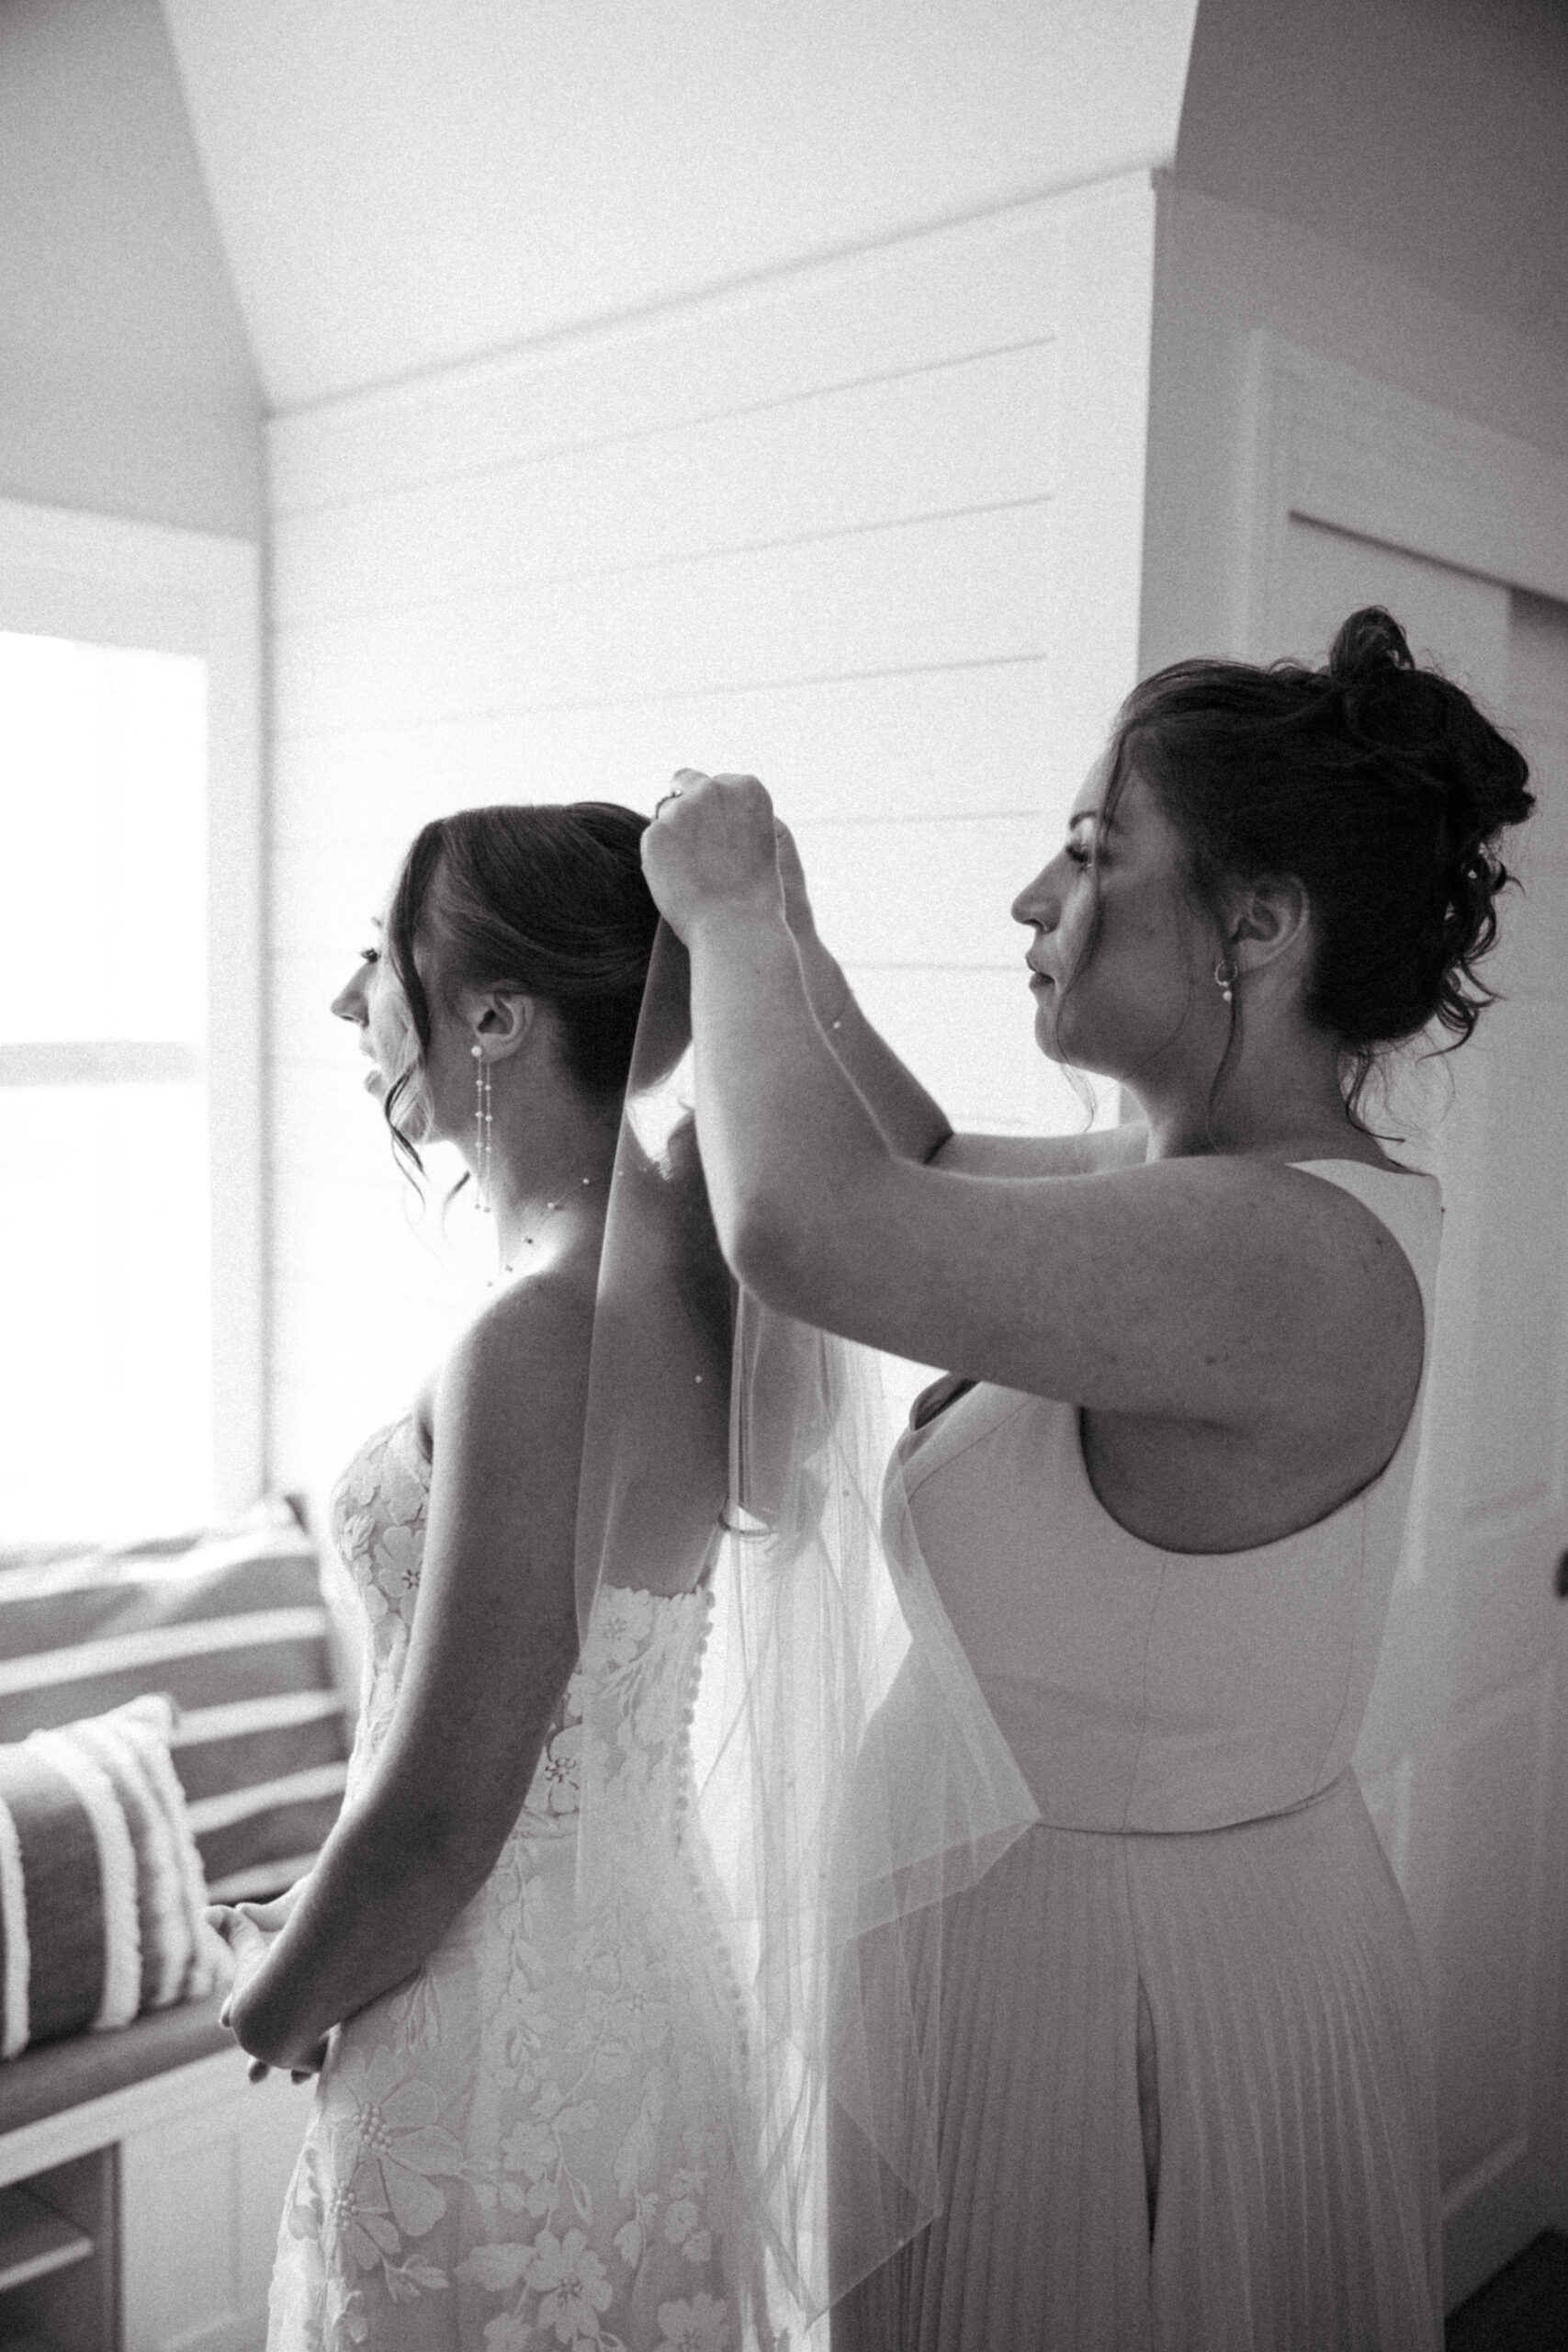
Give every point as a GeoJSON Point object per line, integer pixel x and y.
{"type": "Point", "coordinates": [530, 1238]}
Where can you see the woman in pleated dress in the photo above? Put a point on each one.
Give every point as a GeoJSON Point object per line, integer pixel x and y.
{"type": "Point", "coordinates": [1183, 2073]}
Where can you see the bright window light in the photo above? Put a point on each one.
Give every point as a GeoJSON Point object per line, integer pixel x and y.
{"type": "Point", "coordinates": [105, 1377]}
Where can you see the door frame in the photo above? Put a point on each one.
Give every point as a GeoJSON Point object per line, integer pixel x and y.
{"type": "Point", "coordinates": [1323, 444]}
{"type": "Point", "coordinates": [1328, 445]}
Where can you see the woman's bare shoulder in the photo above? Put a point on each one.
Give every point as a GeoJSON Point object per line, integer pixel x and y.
{"type": "Point", "coordinates": [1099, 1151]}
{"type": "Point", "coordinates": [529, 1336]}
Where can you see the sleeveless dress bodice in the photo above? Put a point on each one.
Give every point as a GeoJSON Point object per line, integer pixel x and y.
{"type": "Point", "coordinates": [633, 1688]}
{"type": "Point", "coordinates": [529, 2141]}
{"type": "Point", "coordinates": [1149, 1689]}
{"type": "Point", "coordinates": [1183, 2061]}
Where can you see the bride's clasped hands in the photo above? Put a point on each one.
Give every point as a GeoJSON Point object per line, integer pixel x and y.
{"type": "Point", "coordinates": [250, 1930]}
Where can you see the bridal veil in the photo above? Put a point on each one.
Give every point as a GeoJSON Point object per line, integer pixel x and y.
{"type": "Point", "coordinates": [848, 1775]}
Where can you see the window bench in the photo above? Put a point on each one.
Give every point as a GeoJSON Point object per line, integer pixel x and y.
{"type": "Point", "coordinates": [169, 2168]}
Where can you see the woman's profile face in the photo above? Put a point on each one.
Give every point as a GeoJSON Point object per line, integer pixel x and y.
{"type": "Point", "coordinates": [373, 999]}
{"type": "Point", "coordinates": [1120, 954]}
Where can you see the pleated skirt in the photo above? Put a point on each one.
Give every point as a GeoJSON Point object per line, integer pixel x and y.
{"type": "Point", "coordinates": [1186, 2103]}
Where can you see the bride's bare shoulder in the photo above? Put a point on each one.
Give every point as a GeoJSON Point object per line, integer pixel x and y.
{"type": "Point", "coordinates": [528, 1334]}
{"type": "Point", "coordinates": [554, 1306]}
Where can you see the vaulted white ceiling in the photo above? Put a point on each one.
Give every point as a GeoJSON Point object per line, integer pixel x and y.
{"type": "Point", "coordinates": [401, 184]}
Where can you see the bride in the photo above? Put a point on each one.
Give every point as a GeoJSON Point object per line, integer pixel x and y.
{"type": "Point", "coordinates": [587, 2007]}
{"type": "Point", "coordinates": [520, 2131]}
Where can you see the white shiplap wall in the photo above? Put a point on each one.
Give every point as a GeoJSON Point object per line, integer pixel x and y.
{"type": "Point", "coordinates": [872, 530]}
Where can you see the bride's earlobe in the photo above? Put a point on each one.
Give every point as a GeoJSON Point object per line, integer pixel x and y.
{"type": "Point", "coordinates": [502, 1022]}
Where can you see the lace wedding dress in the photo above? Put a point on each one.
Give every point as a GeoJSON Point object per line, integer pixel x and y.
{"type": "Point", "coordinates": [530, 2142]}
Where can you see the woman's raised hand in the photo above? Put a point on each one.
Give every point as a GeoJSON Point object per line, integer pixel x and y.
{"type": "Point", "coordinates": [712, 844]}
{"type": "Point", "coordinates": [791, 882]}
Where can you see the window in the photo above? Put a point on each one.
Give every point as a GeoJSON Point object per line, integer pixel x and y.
{"type": "Point", "coordinates": [129, 1184]}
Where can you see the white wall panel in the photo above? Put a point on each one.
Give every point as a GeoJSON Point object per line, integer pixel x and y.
{"type": "Point", "coordinates": [915, 595]}
{"type": "Point", "coordinates": [357, 1354]}
{"type": "Point", "coordinates": [343, 1229]}
{"type": "Point", "coordinates": [977, 287]}
{"type": "Point", "coordinates": [969, 433]}
{"type": "Point", "coordinates": [326, 893]}
{"type": "Point", "coordinates": [322, 1124]}
{"type": "Point", "coordinates": [872, 531]}
{"type": "Point", "coordinates": [303, 990]}
{"type": "Point", "coordinates": [924, 892]}
{"type": "Point", "coordinates": [970, 1036]}
{"type": "Point", "coordinates": [915, 744]}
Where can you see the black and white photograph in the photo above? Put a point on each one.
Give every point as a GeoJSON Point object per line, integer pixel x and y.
{"type": "Point", "coordinates": [784, 1175]}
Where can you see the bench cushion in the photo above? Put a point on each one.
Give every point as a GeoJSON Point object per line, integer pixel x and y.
{"type": "Point", "coordinates": [233, 1628]}
{"type": "Point", "coordinates": [66, 2074]}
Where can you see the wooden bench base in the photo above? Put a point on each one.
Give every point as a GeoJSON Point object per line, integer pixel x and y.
{"type": "Point", "coordinates": [151, 2143]}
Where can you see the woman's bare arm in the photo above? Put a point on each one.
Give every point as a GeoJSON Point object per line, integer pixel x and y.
{"type": "Point", "coordinates": [913, 1123]}
{"type": "Point", "coordinates": [493, 1644]}
{"type": "Point", "coordinates": [1235, 1293]}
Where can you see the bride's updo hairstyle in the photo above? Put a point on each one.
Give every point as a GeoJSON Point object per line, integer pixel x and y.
{"type": "Point", "coordinates": [1378, 785]}
{"type": "Point", "coordinates": [548, 900]}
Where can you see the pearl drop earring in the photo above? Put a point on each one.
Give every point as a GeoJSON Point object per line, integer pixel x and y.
{"type": "Point", "coordinates": [483, 1126]}
{"type": "Point", "coordinates": [1224, 981]}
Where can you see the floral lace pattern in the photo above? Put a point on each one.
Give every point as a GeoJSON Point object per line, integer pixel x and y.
{"type": "Point", "coordinates": [528, 2144]}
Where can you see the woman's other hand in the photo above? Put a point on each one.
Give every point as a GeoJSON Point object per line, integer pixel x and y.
{"type": "Point", "coordinates": [713, 844]}
{"type": "Point", "coordinates": [250, 1930]}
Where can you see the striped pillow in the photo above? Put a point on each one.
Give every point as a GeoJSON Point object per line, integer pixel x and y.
{"type": "Point", "coordinates": [100, 1884]}
{"type": "Point", "coordinates": [233, 1628]}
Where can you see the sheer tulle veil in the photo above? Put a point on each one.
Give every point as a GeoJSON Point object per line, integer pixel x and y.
{"type": "Point", "coordinates": [848, 1774]}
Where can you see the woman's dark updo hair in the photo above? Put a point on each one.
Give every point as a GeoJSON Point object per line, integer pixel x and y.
{"type": "Point", "coordinates": [1377, 786]}
{"type": "Point", "coordinates": [547, 899]}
